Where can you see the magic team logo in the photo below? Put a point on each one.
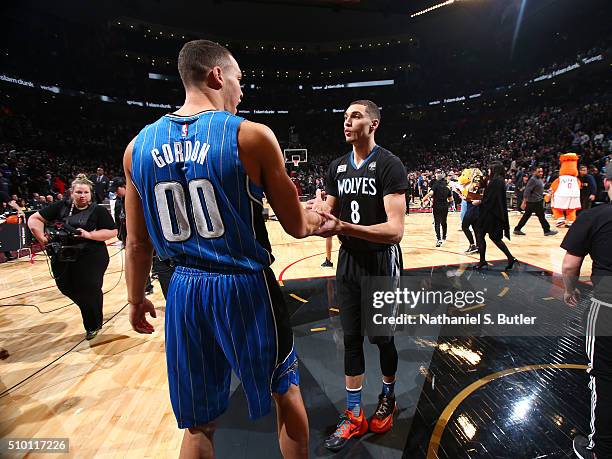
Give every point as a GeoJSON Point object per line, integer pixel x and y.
{"type": "Point", "coordinates": [185, 130]}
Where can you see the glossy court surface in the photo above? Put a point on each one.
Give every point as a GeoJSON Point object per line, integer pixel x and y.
{"type": "Point", "coordinates": [459, 396]}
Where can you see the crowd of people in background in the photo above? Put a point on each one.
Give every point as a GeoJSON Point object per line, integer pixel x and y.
{"type": "Point", "coordinates": [36, 177]}
{"type": "Point", "coordinates": [520, 144]}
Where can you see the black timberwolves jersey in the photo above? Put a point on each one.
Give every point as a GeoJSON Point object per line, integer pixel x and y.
{"type": "Point", "coordinates": [360, 191]}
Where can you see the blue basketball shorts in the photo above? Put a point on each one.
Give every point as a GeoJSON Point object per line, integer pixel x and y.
{"type": "Point", "coordinates": [219, 323]}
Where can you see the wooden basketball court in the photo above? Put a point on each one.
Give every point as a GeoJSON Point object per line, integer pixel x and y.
{"type": "Point", "coordinates": [109, 396]}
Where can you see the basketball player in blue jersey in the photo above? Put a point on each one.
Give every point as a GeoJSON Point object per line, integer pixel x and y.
{"type": "Point", "coordinates": [365, 207]}
{"type": "Point", "coordinates": [195, 182]}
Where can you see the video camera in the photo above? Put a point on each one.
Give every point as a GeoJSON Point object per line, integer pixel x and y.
{"type": "Point", "coordinates": [62, 245]}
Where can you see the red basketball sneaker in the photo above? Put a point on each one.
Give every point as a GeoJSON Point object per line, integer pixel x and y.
{"type": "Point", "coordinates": [349, 426]}
{"type": "Point", "coordinates": [382, 421]}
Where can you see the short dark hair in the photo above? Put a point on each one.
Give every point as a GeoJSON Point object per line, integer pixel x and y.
{"type": "Point", "coordinates": [119, 182]}
{"type": "Point", "coordinates": [197, 57]}
{"type": "Point", "coordinates": [371, 108]}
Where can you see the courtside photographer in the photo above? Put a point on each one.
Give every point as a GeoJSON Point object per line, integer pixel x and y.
{"type": "Point", "coordinates": [73, 234]}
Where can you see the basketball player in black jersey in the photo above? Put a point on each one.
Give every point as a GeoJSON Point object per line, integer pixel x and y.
{"type": "Point", "coordinates": [366, 207]}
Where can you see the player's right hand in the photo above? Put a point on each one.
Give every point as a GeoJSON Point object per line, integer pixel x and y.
{"type": "Point", "coordinates": [571, 298]}
{"type": "Point", "coordinates": [138, 316]}
{"type": "Point", "coordinates": [331, 225]}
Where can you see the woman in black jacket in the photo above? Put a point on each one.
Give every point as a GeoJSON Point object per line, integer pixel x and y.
{"type": "Point", "coordinates": [493, 218]}
{"type": "Point", "coordinates": [79, 275]}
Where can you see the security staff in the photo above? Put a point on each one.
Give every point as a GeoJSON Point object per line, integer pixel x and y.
{"type": "Point", "coordinates": [119, 210]}
{"type": "Point", "coordinates": [590, 235]}
{"type": "Point", "coordinates": [160, 269]}
{"type": "Point", "coordinates": [442, 195]}
{"type": "Point", "coordinates": [588, 188]}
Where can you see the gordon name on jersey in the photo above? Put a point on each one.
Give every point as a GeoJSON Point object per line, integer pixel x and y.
{"type": "Point", "coordinates": [191, 152]}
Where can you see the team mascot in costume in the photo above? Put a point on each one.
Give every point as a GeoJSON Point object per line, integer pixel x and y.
{"type": "Point", "coordinates": [566, 191]}
{"type": "Point", "coordinates": [470, 183]}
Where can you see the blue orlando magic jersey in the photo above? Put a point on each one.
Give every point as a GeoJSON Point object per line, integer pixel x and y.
{"type": "Point", "coordinates": [201, 210]}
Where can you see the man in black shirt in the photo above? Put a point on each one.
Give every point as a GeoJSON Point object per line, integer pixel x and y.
{"type": "Point", "coordinates": [101, 184]}
{"type": "Point", "coordinates": [119, 210]}
{"type": "Point", "coordinates": [366, 209]}
{"type": "Point", "coordinates": [588, 188]}
{"type": "Point", "coordinates": [441, 194]}
{"type": "Point", "coordinates": [533, 202]}
{"type": "Point", "coordinates": [599, 182]}
{"type": "Point", "coordinates": [119, 216]}
{"type": "Point", "coordinates": [520, 189]}
{"type": "Point", "coordinates": [591, 234]}
{"type": "Point", "coordinates": [410, 192]}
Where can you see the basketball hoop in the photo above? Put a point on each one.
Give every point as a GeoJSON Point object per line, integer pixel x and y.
{"type": "Point", "coordinates": [295, 156]}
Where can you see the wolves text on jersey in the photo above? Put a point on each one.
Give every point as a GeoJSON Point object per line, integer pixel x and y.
{"type": "Point", "coordinates": [357, 185]}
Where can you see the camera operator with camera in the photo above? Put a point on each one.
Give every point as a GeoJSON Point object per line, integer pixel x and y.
{"type": "Point", "coordinates": [75, 245]}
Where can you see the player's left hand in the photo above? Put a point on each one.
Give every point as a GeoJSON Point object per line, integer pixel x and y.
{"type": "Point", "coordinates": [331, 226]}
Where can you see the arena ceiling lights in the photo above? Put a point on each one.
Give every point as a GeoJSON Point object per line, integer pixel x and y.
{"type": "Point", "coordinates": [580, 62]}
{"type": "Point", "coordinates": [431, 8]}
